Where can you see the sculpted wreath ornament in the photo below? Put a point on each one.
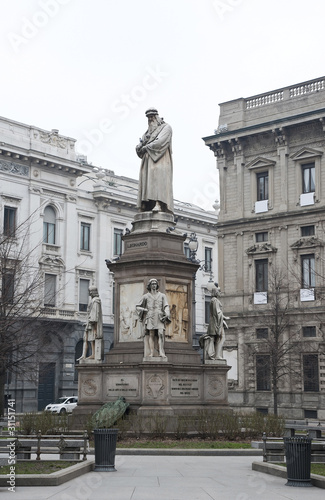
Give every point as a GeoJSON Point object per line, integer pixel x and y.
{"type": "Point", "coordinates": [215, 386]}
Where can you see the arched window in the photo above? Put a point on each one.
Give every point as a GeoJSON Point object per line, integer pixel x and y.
{"type": "Point", "coordinates": [49, 225]}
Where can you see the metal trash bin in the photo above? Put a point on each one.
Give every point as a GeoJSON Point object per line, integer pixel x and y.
{"type": "Point", "coordinates": [298, 459]}
{"type": "Point", "coordinates": [105, 449]}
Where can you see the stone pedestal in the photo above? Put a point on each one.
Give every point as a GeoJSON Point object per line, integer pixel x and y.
{"type": "Point", "coordinates": [150, 386]}
{"type": "Point", "coordinates": [153, 221]}
{"type": "Point", "coordinates": [179, 382]}
{"type": "Point", "coordinates": [215, 362]}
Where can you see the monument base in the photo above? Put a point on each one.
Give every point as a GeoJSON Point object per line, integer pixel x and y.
{"type": "Point", "coordinates": [152, 387]}
{"type": "Point", "coordinates": [154, 359]}
{"type": "Point", "coordinates": [153, 222]}
{"type": "Point", "coordinates": [217, 362]}
{"type": "Point", "coordinates": [178, 385]}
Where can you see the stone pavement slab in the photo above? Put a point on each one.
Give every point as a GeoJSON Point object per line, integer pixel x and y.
{"type": "Point", "coordinates": [171, 478]}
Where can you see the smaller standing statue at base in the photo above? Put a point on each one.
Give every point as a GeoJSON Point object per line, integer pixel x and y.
{"type": "Point", "coordinates": [93, 328]}
{"type": "Point", "coordinates": [212, 342]}
{"type": "Point", "coordinates": [154, 313]}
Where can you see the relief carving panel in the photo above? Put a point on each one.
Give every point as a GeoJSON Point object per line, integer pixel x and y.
{"type": "Point", "coordinates": [130, 325]}
{"type": "Point", "coordinates": [177, 295]}
{"type": "Point", "coordinates": [216, 387]}
{"type": "Point", "coordinates": [14, 168]}
{"type": "Point", "coordinates": [90, 387]}
{"type": "Point", "coordinates": [155, 387]}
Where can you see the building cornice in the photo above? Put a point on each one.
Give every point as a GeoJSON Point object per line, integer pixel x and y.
{"type": "Point", "coordinates": [238, 133]}
{"type": "Point", "coordinates": [270, 218]}
{"type": "Point", "coordinates": [30, 158]}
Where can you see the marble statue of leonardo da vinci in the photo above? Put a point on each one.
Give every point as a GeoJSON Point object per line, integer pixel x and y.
{"type": "Point", "coordinates": [156, 171]}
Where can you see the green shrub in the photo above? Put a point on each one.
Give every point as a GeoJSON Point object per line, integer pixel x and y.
{"type": "Point", "coordinates": [253, 424]}
{"type": "Point", "coordinates": [182, 425]}
{"type": "Point", "coordinates": [45, 422]}
{"type": "Point", "coordinates": [230, 425]}
{"type": "Point", "coordinates": [123, 425]}
{"type": "Point", "coordinates": [27, 423]}
{"type": "Point", "coordinates": [274, 425]}
{"type": "Point", "coordinates": [202, 418]}
{"type": "Point", "coordinates": [137, 423]}
{"type": "Point", "coordinates": [158, 425]}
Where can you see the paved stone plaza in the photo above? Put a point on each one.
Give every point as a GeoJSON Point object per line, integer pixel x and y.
{"type": "Point", "coordinates": [172, 478]}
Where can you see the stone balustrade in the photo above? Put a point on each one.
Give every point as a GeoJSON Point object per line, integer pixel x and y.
{"type": "Point", "coordinates": [307, 88]}
{"type": "Point", "coordinates": [286, 93]}
{"type": "Point", "coordinates": [264, 99]}
{"type": "Point", "coordinates": [59, 313]}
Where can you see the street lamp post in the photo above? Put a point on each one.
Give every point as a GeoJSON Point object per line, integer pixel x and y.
{"type": "Point", "coordinates": [193, 246]}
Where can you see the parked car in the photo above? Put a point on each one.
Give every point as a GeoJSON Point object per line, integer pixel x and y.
{"type": "Point", "coordinates": [63, 405]}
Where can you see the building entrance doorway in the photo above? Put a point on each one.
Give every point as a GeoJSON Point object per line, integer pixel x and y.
{"type": "Point", "coordinates": [46, 379]}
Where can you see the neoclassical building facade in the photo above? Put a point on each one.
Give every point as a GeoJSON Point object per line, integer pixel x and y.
{"type": "Point", "coordinates": [75, 216]}
{"type": "Point", "coordinates": [271, 235]}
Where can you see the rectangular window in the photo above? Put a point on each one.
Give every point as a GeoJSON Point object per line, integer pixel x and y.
{"type": "Point", "coordinates": [49, 233]}
{"type": "Point", "coordinates": [9, 221]}
{"type": "Point", "coordinates": [262, 180]}
{"type": "Point", "coordinates": [85, 236]}
{"type": "Point", "coordinates": [49, 290]}
{"type": "Point", "coordinates": [310, 373]}
{"type": "Point", "coordinates": [260, 237]}
{"type": "Point", "coordinates": [207, 309]}
{"type": "Point", "coordinates": [308, 271]}
{"type": "Point", "coordinates": [8, 287]}
{"type": "Point", "coordinates": [261, 270]}
{"type": "Point", "coordinates": [83, 294]}
{"type": "Point", "coordinates": [208, 259]}
{"type": "Point", "coordinates": [118, 233]}
{"type": "Point", "coordinates": [308, 178]}
{"type": "Point", "coordinates": [310, 414]}
{"type": "Point", "coordinates": [264, 411]}
{"type": "Point", "coordinates": [263, 372]}
{"type": "Point", "coordinates": [262, 333]}
{"type": "Point", "coordinates": [307, 230]}
{"type": "Point", "coordinates": [309, 331]}
{"type": "Point", "coordinates": [49, 223]}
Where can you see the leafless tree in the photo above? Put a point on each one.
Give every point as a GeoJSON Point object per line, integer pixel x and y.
{"type": "Point", "coordinates": [22, 323]}
{"type": "Point", "coordinates": [276, 340]}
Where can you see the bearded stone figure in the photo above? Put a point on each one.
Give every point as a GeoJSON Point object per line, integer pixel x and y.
{"type": "Point", "coordinates": [156, 170]}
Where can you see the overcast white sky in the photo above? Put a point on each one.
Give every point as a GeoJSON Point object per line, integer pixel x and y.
{"type": "Point", "coordinates": [91, 68]}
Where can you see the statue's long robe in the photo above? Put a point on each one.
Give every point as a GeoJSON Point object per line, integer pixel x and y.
{"type": "Point", "coordinates": [215, 333]}
{"type": "Point", "coordinates": [158, 309]}
{"type": "Point", "coordinates": [95, 319]}
{"type": "Point", "coordinates": [156, 170]}
{"type": "Point", "coordinates": [216, 318]}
